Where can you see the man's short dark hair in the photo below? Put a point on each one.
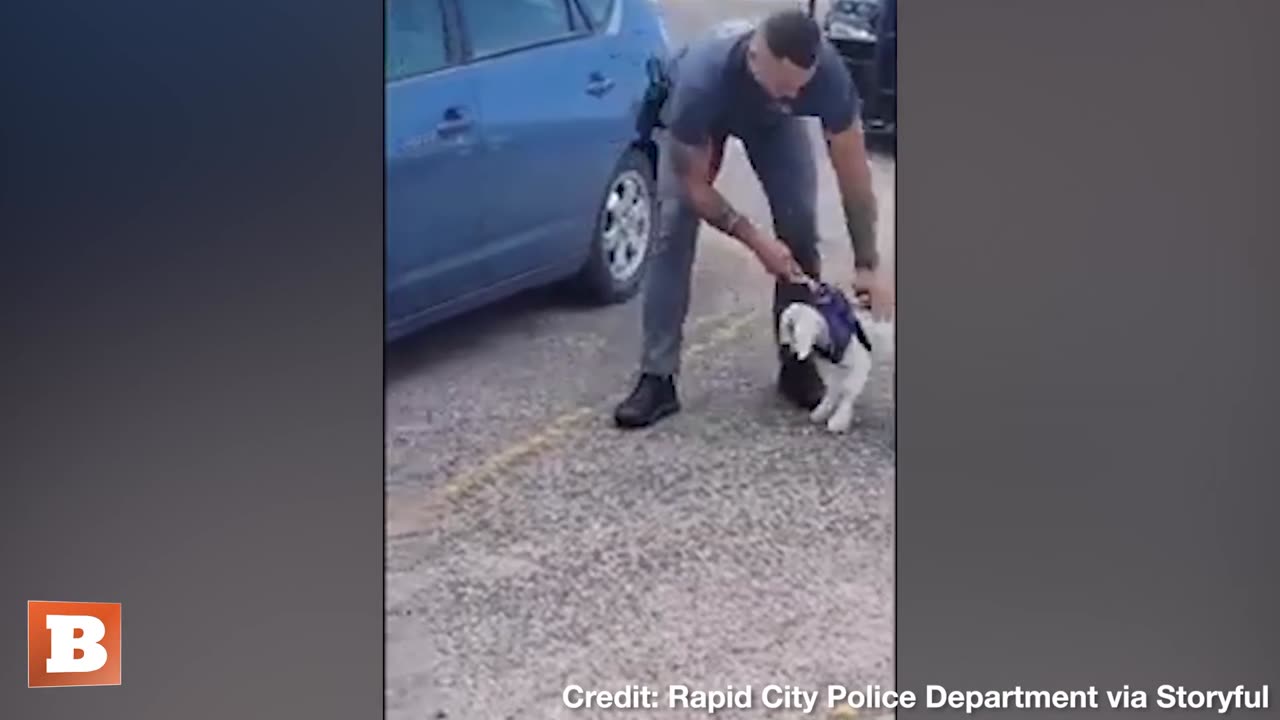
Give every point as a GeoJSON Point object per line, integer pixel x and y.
{"type": "Point", "coordinates": [793, 35]}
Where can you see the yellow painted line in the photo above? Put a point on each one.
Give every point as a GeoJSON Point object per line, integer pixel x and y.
{"type": "Point", "coordinates": [406, 517]}
{"type": "Point", "coordinates": [721, 335]}
{"type": "Point", "coordinates": [512, 454]}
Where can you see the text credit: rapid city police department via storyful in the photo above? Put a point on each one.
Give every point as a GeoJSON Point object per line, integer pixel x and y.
{"type": "Point", "coordinates": [876, 698]}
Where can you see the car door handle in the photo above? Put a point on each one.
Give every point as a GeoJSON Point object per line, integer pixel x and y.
{"type": "Point", "coordinates": [599, 85]}
{"type": "Point", "coordinates": [455, 122]}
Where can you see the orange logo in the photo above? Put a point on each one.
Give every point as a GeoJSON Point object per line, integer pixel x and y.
{"type": "Point", "coordinates": [73, 644]}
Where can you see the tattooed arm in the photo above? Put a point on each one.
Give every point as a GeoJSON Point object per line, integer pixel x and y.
{"type": "Point", "coordinates": [849, 160]}
{"type": "Point", "coordinates": [696, 166]}
{"type": "Point", "coordinates": [846, 146]}
{"type": "Point", "coordinates": [853, 172]}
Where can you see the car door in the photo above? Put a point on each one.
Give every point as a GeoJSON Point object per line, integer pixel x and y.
{"type": "Point", "coordinates": [553, 126]}
{"type": "Point", "coordinates": [432, 173]}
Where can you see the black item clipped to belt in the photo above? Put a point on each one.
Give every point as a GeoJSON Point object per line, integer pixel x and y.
{"type": "Point", "coordinates": [655, 97]}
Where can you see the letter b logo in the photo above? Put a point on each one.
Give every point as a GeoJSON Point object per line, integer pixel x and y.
{"type": "Point", "coordinates": [73, 644]}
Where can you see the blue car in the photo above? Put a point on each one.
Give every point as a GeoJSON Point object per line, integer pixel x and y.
{"type": "Point", "coordinates": [517, 154]}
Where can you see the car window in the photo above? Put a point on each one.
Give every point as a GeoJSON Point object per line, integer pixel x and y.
{"type": "Point", "coordinates": [415, 38]}
{"type": "Point", "coordinates": [597, 10]}
{"type": "Point", "coordinates": [496, 26]}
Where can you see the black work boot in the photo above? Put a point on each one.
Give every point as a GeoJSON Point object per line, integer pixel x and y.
{"type": "Point", "coordinates": [800, 383]}
{"type": "Point", "coordinates": [653, 398]}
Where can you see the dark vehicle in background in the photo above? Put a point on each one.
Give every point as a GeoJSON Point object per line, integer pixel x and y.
{"type": "Point", "coordinates": [865, 32]}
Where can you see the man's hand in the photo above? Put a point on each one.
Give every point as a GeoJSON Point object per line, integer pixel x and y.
{"type": "Point", "coordinates": [878, 286]}
{"type": "Point", "coordinates": [777, 258]}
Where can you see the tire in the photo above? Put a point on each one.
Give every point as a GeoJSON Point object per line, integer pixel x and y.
{"type": "Point", "coordinates": [623, 233]}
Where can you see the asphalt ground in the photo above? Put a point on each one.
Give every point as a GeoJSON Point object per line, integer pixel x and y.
{"type": "Point", "coordinates": [530, 545]}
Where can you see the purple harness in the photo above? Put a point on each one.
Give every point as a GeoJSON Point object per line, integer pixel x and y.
{"type": "Point", "coordinates": [842, 323]}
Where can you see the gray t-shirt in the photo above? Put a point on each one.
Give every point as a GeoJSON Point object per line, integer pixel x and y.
{"type": "Point", "coordinates": [713, 92]}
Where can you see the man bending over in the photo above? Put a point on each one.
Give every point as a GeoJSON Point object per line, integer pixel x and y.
{"type": "Point", "coordinates": [755, 85]}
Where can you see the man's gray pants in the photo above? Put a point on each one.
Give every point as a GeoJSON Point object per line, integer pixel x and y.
{"type": "Point", "coordinates": [783, 159]}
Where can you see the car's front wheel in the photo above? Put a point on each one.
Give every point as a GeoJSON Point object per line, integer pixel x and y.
{"type": "Point", "coordinates": [623, 235]}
